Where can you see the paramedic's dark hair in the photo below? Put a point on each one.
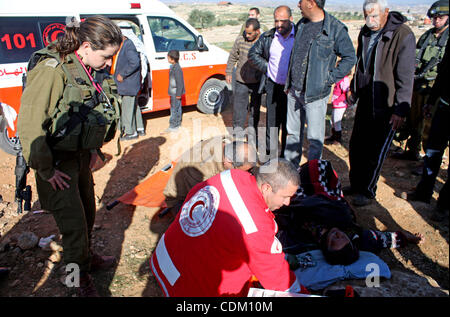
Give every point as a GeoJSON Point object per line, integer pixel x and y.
{"type": "Point", "coordinates": [277, 173]}
{"type": "Point", "coordinates": [237, 154]}
{"type": "Point", "coordinates": [254, 9]}
{"type": "Point", "coordinates": [175, 54]}
{"type": "Point", "coordinates": [253, 22]}
{"type": "Point", "coordinates": [98, 30]}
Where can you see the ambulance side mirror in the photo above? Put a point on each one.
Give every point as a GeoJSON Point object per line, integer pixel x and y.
{"type": "Point", "coordinates": [200, 44]}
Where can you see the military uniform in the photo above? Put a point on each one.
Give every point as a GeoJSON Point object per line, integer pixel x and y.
{"type": "Point", "coordinates": [429, 52]}
{"type": "Point", "coordinates": [55, 90]}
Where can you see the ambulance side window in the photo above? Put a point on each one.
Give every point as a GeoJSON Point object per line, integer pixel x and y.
{"type": "Point", "coordinates": [21, 36]}
{"type": "Point", "coordinates": [169, 34]}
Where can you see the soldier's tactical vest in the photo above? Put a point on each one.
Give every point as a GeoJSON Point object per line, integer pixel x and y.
{"type": "Point", "coordinates": [429, 53]}
{"type": "Point", "coordinates": [93, 127]}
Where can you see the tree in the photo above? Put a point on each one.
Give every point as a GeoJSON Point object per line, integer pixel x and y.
{"type": "Point", "coordinates": [204, 18]}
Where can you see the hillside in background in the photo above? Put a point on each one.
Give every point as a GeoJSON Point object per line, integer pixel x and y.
{"type": "Point", "coordinates": [415, 6]}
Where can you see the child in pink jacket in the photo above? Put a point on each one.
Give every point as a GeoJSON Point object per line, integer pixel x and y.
{"type": "Point", "coordinates": [339, 102]}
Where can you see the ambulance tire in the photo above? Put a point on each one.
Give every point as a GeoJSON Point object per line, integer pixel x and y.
{"type": "Point", "coordinates": [214, 96]}
{"type": "Point", "coordinates": [7, 144]}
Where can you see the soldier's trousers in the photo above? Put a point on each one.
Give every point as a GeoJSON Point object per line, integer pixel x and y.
{"type": "Point", "coordinates": [438, 141]}
{"type": "Point", "coordinates": [73, 208]}
{"type": "Point", "coordinates": [418, 127]}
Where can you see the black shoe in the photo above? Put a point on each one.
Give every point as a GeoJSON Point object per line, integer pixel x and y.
{"type": "Point", "coordinates": [414, 196]}
{"type": "Point", "coordinates": [407, 156]}
{"type": "Point", "coordinates": [335, 138]}
{"type": "Point", "coordinates": [361, 200]}
{"type": "Point", "coordinates": [127, 137]}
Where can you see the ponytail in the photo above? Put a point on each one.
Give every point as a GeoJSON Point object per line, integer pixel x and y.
{"type": "Point", "coordinates": [98, 30]}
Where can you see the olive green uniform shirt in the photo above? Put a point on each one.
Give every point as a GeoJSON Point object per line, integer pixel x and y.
{"type": "Point", "coordinates": [44, 89]}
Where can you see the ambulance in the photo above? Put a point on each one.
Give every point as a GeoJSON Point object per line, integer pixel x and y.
{"type": "Point", "coordinates": [29, 25]}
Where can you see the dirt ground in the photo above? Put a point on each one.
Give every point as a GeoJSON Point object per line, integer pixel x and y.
{"type": "Point", "coordinates": [131, 232]}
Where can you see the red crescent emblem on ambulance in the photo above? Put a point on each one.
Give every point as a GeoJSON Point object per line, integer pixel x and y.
{"type": "Point", "coordinates": [52, 31]}
{"type": "Point", "coordinates": [198, 213]}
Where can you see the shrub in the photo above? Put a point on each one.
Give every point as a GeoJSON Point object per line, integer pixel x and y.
{"type": "Point", "coordinates": [202, 18]}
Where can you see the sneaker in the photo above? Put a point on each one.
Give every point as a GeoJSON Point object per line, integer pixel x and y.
{"type": "Point", "coordinates": [141, 133]}
{"type": "Point", "coordinates": [128, 137]}
{"type": "Point", "coordinates": [170, 130]}
{"type": "Point", "coordinates": [87, 287]}
{"type": "Point", "coordinates": [361, 200]}
{"type": "Point", "coordinates": [101, 263]}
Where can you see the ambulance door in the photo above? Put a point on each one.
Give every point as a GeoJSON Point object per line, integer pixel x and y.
{"type": "Point", "coordinates": [167, 34]}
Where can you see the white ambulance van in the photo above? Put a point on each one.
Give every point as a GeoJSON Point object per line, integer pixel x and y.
{"type": "Point", "coordinates": [29, 25]}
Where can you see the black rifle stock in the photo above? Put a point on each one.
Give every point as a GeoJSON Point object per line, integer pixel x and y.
{"type": "Point", "coordinates": [23, 191]}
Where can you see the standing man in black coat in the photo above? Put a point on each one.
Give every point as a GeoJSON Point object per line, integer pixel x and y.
{"type": "Point", "coordinates": [383, 85]}
{"type": "Point", "coordinates": [270, 55]}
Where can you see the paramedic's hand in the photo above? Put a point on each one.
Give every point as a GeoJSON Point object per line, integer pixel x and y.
{"type": "Point", "coordinates": [228, 78]}
{"type": "Point", "coordinates": [396, 121]}
{"type": "Point", "coordinates": [57, 180]}
{"type": "Point", "coordinates": [119, 78]}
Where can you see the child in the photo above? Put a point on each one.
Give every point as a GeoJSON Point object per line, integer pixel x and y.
{"type": "Point", "coordinates": [339, 102]}
{"type": "Point", "coordinates": [176, 90]}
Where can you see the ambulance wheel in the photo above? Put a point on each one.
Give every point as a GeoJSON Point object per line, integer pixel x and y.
{"type": "Point", "coordinates": [7, 144]}
{"type": "Point", "coordinates": [214, 96]}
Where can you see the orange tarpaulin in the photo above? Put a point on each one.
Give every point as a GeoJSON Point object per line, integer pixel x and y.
{"type": "Point", "coordinates": [149, 193]}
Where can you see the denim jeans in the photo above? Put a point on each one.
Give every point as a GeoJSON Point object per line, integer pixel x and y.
{"type": "Point", "coordinates": [175, 112]}
{"type": "Point", "coordinates": [299, 113]}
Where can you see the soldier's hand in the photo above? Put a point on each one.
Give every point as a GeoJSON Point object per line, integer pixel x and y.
{"type": "Point", "coordinates": [396, 121]}
{"type": "Point", "coordinates": [57, 180]}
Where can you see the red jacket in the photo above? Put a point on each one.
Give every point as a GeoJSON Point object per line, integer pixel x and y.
{"type": "Point", "coordinates": [223, 234]}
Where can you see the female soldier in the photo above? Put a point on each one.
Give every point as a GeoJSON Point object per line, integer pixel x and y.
{"type": "Point", "coordinates": [58, 87]}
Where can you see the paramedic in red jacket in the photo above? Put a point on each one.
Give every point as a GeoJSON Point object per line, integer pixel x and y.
{"type": "Point", "coordinates": [225, 233]}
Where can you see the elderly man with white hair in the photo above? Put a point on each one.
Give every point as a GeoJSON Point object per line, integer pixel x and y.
{"type": "Point", "coordinates": [382, 87]}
